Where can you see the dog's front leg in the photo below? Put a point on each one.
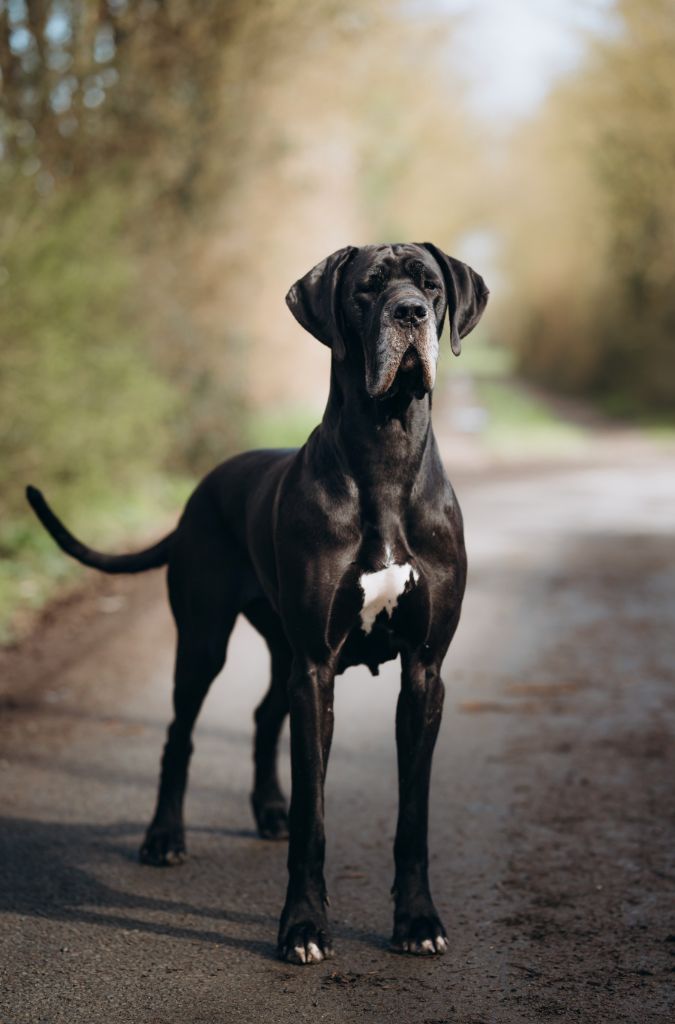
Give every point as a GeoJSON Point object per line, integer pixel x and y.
{"type": "Point", "coordinates": [417, 926]}
{"type": "Point", "coordinates": [303, 930]}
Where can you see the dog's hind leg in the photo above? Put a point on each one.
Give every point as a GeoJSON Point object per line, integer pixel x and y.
{"type": "Point", "coordinates": [164, 842]}
{"type": "Point", "coordinates": [267, 800]}
{"type": "Point", "coordinates": [205, 609]}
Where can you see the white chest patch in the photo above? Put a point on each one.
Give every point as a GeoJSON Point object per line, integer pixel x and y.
{"type": "Point", "coordinates": [381, 591]}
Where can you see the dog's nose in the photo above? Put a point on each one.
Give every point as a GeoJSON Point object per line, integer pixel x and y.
{"type": "Point", "coordinates": [410, 312]}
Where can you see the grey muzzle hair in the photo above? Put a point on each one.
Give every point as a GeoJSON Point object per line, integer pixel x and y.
{"type": "Point", "coordinates": [407, 341]}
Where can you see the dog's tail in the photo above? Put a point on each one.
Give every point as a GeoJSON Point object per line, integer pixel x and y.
{"type": "Point", "coordinates": [151, 558]}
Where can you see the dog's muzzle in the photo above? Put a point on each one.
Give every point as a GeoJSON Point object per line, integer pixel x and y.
{"type": "Point", "coordinates": [405, 353]}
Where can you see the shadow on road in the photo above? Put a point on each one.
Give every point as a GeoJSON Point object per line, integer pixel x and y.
{"type": "Point", "coordinates": [42, 878]}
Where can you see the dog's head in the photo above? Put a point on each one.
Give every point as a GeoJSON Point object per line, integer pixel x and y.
{"type": "Point", "coordinates": [385, 305]}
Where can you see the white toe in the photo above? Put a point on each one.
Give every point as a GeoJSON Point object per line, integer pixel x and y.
{"type": "Point", "coordinates": [428, 946]}
{"type": "Point", "coordinates": [314, 954]}
{"type": "Point", "coordinates": [441, 944]}
{"type": "Point", "coordinates": [299, 954]}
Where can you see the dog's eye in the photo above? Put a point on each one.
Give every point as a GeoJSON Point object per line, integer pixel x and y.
{"type": "Point", "coordinates": [430, 285]}
{"type": "Point", "coordinates": [373, 284]}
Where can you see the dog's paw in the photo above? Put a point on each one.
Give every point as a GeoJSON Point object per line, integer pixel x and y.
{"type": "Point", "coordinates": [163, 847]}
{"type": "Point", "coordinates": [270, 818]}
{"type": "Point", "coordinates": [272, 821]}
{"type": "Point", "coordinates": [305, 943]}
{"type": "Point", "coordinates": [423, 935]}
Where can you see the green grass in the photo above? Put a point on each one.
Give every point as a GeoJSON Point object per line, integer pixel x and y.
{"type": "Point", "coordinates": [483, 360]}
{"type": "Point", "coordinates": [518, 422]}
{"type": "Point", "coordinates": [662, 433]}
{"type": "Point", "coordinates": [659, 425]}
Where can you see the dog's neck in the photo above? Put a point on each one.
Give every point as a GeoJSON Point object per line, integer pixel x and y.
{"type": "Point", "coordinates": [380, 445]}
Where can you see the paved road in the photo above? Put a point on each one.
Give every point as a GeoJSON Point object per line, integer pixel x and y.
{"type": "Point", "coordinates": [552, 814]}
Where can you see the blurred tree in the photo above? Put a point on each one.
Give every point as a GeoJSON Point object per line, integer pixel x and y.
{"type": "Point", "coordinates": [359, 134]}
{"type": "Point", "coordinates": [590, 222]}
{"type": "Point", "coordinates": [105, 107]}
{"type": "Point", "coordinates": [86, 81]}
{"type": "Point", "coordinates": [121, 122]}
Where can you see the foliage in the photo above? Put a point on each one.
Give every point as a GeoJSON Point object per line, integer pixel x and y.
{"type": "Point", "coordinates": [82, 401]}
{"type": "Point", "coordinates": [591, 223]}
{"type": "Point", "coordinates": [111, 377]}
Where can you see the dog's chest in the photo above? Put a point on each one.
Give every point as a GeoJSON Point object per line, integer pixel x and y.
{"type": "Point", "coordinates": [380, 606]}
{"type": "Point", "coordinates": [382, 589]}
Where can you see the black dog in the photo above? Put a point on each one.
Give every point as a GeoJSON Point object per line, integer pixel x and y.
{"type": "Point", "coordinates": [349, 551]}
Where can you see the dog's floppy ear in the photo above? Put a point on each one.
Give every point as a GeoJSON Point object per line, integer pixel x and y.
{"type": "Point", "coordinates": [467, 295]}
{"type": "Point", "coordinates": [313, 300]}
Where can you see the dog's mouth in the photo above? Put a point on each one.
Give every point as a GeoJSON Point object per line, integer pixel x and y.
{"type": "Point", "coordinates": [409, 379]}
{"type": "Point", "coordinates": [407, 366]}
{"type": "Point", "coordinates": [410, 361]}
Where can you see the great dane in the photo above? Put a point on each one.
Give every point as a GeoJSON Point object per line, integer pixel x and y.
{"type": "Point", "coordinates": [349, 551]}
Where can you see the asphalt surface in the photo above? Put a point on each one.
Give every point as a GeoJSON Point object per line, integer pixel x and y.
{"type": "Point", "coordinates": [552, 854]}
